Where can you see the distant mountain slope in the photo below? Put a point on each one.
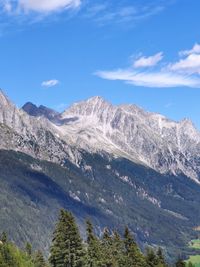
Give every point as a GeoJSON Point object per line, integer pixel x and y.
{"type": "Point", "coordinates": [31, 197]}
{"type": "Point", "coordinates": [112, 192]}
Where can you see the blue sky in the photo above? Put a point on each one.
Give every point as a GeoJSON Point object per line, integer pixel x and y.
{"type": "Point", "coordinates": [146, 52]}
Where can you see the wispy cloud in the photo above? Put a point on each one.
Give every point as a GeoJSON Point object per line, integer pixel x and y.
{"type": "Point", "coordinates": [41, 6]}
{"type": "Point", "coordinates": [150, 79]}
{"type": "Point", "coordinates": [104, 12]}
{"type": "Point", "coordinates": [50, 83]}
{"type": "Point", "coordinates": [16, 15]}
{"type": "Point", "coordinates": [148, 61]}
{"type": "Point", "coordinates": [101, 12]}
{"type": "Point", "coordinates": [195, 50]}
{"type": "Point", "coordinates": [48, 5]}
{"type": "Point", "coordinates": [169, 105]}
{"type": "Point", "coordinates": [189, 65]}
{"type": "Point", "coordinates": [95, 9]}
{"type": "Point", "coordinates": [7, 6]}
{"type": "Point", "coordinates": [184, 73]}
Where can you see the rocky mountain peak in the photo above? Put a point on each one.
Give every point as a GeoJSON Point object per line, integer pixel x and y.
{"type": "Point", "coordinates": [89, 107]}
{"type": "Point", "coordinates": [36, 111]}
{"type": "Point", "coordinates": [95, 99]}
{"type": "Point", "coordinates": [4, 101]}
{"type": "Point", "coordinates": [150, 138]}
{"type": "Point", "coordinates": [9, 114]}
{"type": "Point", "coordinates": [187, 123]}
{"type": "Point", "coordinates": [31, 109]}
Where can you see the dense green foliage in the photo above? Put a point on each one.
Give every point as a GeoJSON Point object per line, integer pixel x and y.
{"type": "Point", "coordinates": [11, 256]}
{"type": "Point", "coordinates": [109, 250]}
{"type": "Point", "coordinates": [69, 250]}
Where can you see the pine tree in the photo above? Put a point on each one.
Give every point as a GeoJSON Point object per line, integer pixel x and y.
{"type": "Point", "coordinates": [67, 248]}
{"type": "Point", "coordinates": [28, 249]}
{"type": "Point", "coordinates": [4, 237]}
{"type": "Point", "coordinates": [39, 260]}
{"type": "Point", "coordinates": [160, 256]}
{"type": "Point", "coordinates": [155, 259]}
{"type": "Point", "coordinates": [77, 251]}
{"type": "Point", "coordinates": [151, 258]}
{"type": "Point", "coordinates": [7, 257]}
{"type": "Point", "coordinates": [134, 257]}
{"type": "Point", "coordinates": [106, 244]}
{"type": "Point", "coordinates": [107, 240]}
{"type": "Point", "coordinates": [190, 264]}
{"type": "Point", "coordinates": [118, 250]}
{"type": "Point", "coordinates": [94, 252]}
{"type": "Point", "coordinates": [180, 263]}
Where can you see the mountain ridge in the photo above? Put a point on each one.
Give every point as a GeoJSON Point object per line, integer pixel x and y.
{"type": "Point", "coordinates": [134, 133]}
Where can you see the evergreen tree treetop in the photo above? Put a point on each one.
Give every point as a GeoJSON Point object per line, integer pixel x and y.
{"type": "Point", "coordinates": [67, 246]}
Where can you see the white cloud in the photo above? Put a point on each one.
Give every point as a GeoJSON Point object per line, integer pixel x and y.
{"type": "Point", "coordinates": [39, 6]}
{"type": "Point", "coordinates": [183, 73]}
{"type": "Point", "coordinates": [150, 79]}
{"type": "Point", "coordinates": [95, 9]}
{"type": "Point", "coordinates": [7, 6]}
{"type": "Point", "coordinates": [189, 65]}
{"type": "Point", "coordinates": [102, 12]}
{"type": "Point", "coordinates": [148, 61]}
{"type": "Point", "coordinates": [169, 105]}
{"type": "Point", "coordinates": [48, 5]}
{"type": "Point", "coordinates": [194, 50]}
{"type": "Point", "coordinates": [106, 12]}
{"type": "Point", "coordinates": [50, 83]}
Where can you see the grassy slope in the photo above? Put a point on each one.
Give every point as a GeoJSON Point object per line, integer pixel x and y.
{"type": "Point", "coordinates": [195, 243]}
{"type": "Point", "coordinates": [195, 260]}
{"type": "Point", "coordinates": [195, 246]}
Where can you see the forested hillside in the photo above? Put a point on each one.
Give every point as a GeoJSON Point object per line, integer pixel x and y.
{"type": "Point", "coordinates": [34, 191]}
{"type": "Point", "coordinates": [68, 249]}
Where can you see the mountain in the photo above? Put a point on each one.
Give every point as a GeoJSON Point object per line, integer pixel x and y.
{"type": "Point", "coordinates": [126, 130]}
{"type": "Point", "coordinates": [119, 165]}
{"type": "Point", "coordinates": [35, 136]}
{"type": "Point", "coordinates": [35, 111]}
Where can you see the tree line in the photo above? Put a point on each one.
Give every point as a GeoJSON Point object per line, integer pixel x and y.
{"type": "Point", "coordinates": [69, 250]}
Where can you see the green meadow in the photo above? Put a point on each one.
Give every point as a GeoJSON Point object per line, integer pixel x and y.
{"type": "Point", "coordinates": [195, 244]}
{"type": "Point", "coordinates": [195, 260]}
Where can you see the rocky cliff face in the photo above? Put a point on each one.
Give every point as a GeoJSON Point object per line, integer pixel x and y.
{"type": "Point", "coordinates": [95, 125]}
{"type": "Point", "coordinates": [129, 131]}
{"type": "Point", "coordinates": [35, 136]}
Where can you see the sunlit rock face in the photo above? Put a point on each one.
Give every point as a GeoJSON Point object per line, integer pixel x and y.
{"type": "Point", "coordinates": [95, 125]}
